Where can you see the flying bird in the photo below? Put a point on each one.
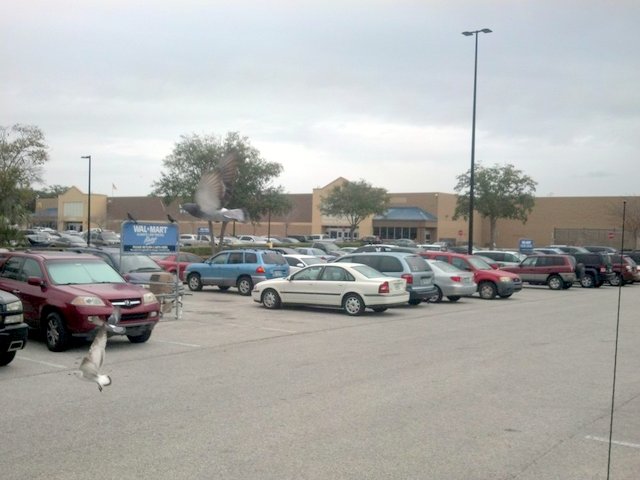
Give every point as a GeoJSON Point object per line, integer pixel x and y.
{"type": "Point", "coordinates": [214, 190]}
{"type": "Point", "coordinates": [92, 362]}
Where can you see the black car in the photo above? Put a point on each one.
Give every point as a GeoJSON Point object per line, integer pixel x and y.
{"type": "Point", "coordinates": [593, 269]}
{"type": "Point", "coordinates": [13, 331]}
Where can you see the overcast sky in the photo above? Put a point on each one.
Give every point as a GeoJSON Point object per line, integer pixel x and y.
{"type": "Point", "coordinates": [373, 90]}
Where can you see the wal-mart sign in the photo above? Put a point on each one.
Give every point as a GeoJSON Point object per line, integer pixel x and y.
{"type": "Point", "coordinates": [149, 238]}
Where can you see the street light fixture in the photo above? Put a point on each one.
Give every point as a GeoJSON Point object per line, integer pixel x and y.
{"type": "Point", "coordinates": [88, 203]}
{"type": "Point", "coordinates": [473, 138]}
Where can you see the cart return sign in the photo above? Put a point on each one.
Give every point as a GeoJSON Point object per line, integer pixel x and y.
{"type": "Point", "coordinates": [149, 238]}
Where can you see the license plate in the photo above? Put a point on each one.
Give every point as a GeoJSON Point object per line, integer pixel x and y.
{"type": "Point", "coordinates": [425, 281]}
{"type": "Point", "coordinates": [277, 274]}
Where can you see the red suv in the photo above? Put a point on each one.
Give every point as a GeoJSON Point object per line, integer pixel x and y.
{"type": "Point", "coordinates": [558, 272]}
{"type": "Point", "coordinates": [491, 282]}
{"type": "Point", "coordinates": [62, 291]}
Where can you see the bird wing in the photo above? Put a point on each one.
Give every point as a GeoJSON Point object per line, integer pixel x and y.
{"type": "Point", "coordinates": [228, 168]}
{"type": "Point", "coordinates": [210, 192]}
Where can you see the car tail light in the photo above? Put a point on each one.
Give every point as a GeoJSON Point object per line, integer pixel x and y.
{"type": "Point", "coordinates": [383, 288]}
{"type": "Point", "coordinates": [603, 269]}
{"type": "Point", "coordinates": [260, 269]}
{"type": "Point", "coordinates": [456, 278]}
{"type": "Point", "coordinates": [408, 277]}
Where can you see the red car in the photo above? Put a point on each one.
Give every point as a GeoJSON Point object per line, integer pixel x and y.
{"type": "Point", "coordinates": [625, 269]}
{"type": "Point", "coordinates": [62, 291]}
{"type": "Point", "coordinates": [170, 264]}
{"type": "Point", "coordinates": [491, 281]}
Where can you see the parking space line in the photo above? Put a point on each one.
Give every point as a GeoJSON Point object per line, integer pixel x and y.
{"type": "Point", "coordinates": [606, 440]}
{"type": "Point", "coordinates": [22, 357]}
{"type": "Point", "coordinates": [279, 330]}
{"type": "Point", "coordinates": [179, 343]}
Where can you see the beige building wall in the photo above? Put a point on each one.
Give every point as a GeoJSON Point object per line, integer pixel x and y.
{"type": "Point", "coordinates": [75, 196]}
{"type": "Point", "coordinates": [550, 213]}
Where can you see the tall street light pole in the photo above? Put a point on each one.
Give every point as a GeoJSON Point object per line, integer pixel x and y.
{"type": "Point", "coordinates": [473, 138]}
{"type": "Point", "coordinates": [88, 203]}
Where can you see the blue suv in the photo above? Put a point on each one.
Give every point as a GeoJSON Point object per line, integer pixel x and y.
{"type": "Point", "coordinates": [236, 268]}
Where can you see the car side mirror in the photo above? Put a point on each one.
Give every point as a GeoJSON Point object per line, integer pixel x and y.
{"type": "Point", "coordinates": [35, 281]}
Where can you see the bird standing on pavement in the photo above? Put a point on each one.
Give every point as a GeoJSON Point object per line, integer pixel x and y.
{"type": "Point", "coordinates": [92, 362]}
{"type": "Point", "coordinates": [214, 190]}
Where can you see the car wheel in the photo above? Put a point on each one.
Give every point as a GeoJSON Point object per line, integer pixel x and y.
{"type": "Point", "coordinates": [244, 286]}
{"type": "Point", "coordinates": [224, 288]}
{"type": "Point", "coordinates": [379, 309]}
{"type": "Point", "coordinates": [567, 285]}
{"type": "Point", "coordinates": [555, 282]}
{"type": "Point", "coordinates": [353, 304]}
{"type": "Point", "coordinates": [271, 299]}
{"type": "Point", "coordinates": [487, 290]}
{"type": "Point", "coordinates": [194, 282]}
{"type": "Point", "coordinates": [616, 280]}
{"type": "Point", "coordinates": [506, 295]}
{"type": "Point", "coordinates": [141, 338]}
{"type": "Point", "coordinates": [56, 334]}
{"type": "Point", "coordinates": [6, 358]}
{"type": "Point", "coordinates": [437, 297]}
{"type": "Point", "coordinates": [587, 281]}
{"type": "Point", "coordinates": [453, 298]}
{"type": "Point", "coordinates": [415, 301]}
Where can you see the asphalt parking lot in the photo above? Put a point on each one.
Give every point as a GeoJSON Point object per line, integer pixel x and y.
{"type": "Point", "coordinates": [505, 389]}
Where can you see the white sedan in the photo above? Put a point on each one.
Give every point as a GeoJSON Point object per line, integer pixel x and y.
{"type": "Point", "coordinates": [349, 286]}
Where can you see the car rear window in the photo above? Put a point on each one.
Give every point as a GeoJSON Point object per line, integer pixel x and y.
{"type": "Point", "coordinates": [367, 271]}
{"type": "Point", "coordinates": [417, 264]}
{"type": "Point", "coordinates": [273, 258]}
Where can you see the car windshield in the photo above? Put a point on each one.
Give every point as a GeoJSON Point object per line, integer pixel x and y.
{"type": "Point", "coordinates": [478, 263]}
{"type": "Point", "coordinates": [82, 272]}
{"type": "Point", "coordinates": [446, 267]}
{"type": "Point", "coordinates": [368, 271]}
{"type": "Point", "coordinates": [109, 235]}
{"type": "Point", "coordinates": [137, 263]}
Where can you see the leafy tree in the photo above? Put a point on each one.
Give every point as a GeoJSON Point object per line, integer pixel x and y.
{"type": "Point", "coordinates": [23, 152]}
{"type": "Point", "coordinates": [193, 155]}
{"type": "Point", "coordinates": [500, 192]}
{"type": "Point", "coordinates": [52, 191]}
{"type": "Point", "coordinates": [355, 201]}
{"type": "Point", "coordinates": [273, 201]}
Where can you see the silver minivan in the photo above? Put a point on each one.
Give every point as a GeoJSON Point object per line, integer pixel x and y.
{"type": "Point", "coordinates": [413, 268]}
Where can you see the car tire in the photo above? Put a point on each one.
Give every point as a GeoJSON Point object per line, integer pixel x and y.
{"type": "Point", "coordinates": [506, 295]}
{"type": "Point", "coordinates": [555, 282]}
{"type": "Point", "coordinates": [244, 285]}
{"type": "Point", "coordinates": [487, 290]}
{"type": "Point", "coordinates": [141, 338]}
{"type": "Point", "coordinates": [353, 304]}
{"type": "Point", "coordinates": [223, 288]}
{"type": "Point", "coordinates": [616, 280]}
{"type": "Point", "coordinates": [6, 358]}
{"type": "Point", "coordinates": [271, 299]}
{"type": "Point", "coordinates": [194, 282]}
{"type": "Point", "coordinates": [379, 309]}
{"type": "Point", "coordinates": [55, 333]}
{"type": "Point", "coordinates": [587, 281]}
{"type": "Point", "coordinates": [415, 301]}
{"type": "Point", "coordinates": [437, 297]}
{"type": "Point", "coordinates": [567, 285]}
{"type": "Point", "coordinates": [453, 298]}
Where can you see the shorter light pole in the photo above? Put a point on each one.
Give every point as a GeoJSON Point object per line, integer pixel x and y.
{"type": "Point", "coordinates": [88, 203]}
